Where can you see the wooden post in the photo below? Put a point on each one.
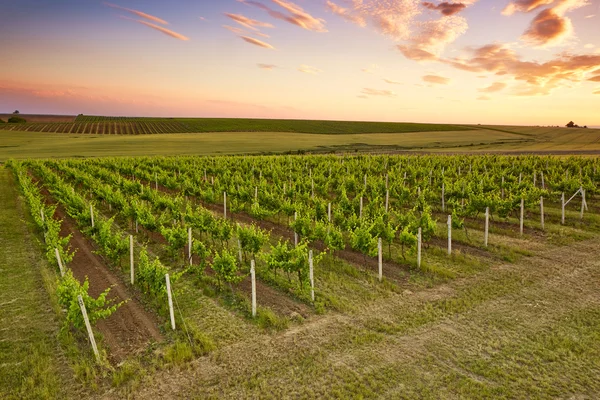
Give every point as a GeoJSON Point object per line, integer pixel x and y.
{"type": "Point", "coordinates": [295, 233]}
{"type": "Point", "coordinates": [92, 214]}
{"type": "Point", "coordinates": [361, 207]}
{"type": "Point", "coordinates": [562, 206]}
{"type": "Point", "coordinates": [449, 234]}
{"type": "Point", "coordinates": [156, 180]}
{"type": "Point", "coordinates": [312, 188]}
{"type": "Point", "coordinates": [59, 261]}
{"type": "Point", "coordinates": [311, 275]}
{"type": "Point", "coordinates": [253, 278]}
{"type": "Point", "coordinates": [136, 226]}
{"type": "Point", "coordinates": [380, 258]}
{"type": "Point", "coordinates": [387, 201]}
{"type": "Point", "coordinates": [522, 215]}
{"type": "Point", "coordinates": [131, 270]}
{"type": "Point", "coordinates": [543, 183]}
{"type": "Point", "coordinates": [582, 202]}
{"type": "Point", "coordinates": [520, 177]}
{"type": "Point", "coordinates": [42, 215]}
{"type": "Point", "coordinates": [190, 244]}
{"type": "Point", "coordinates": [171, 311]}
{"type": "Point", "coordinates": [419, 238]}
{"type": "Point", "coordinates": [365, 181]}
{"type": "Point", "coordinates": [239, 250]}
{"type": "Point", "coordinates": [487, 226]}
{"type": "Point", "coordinates": [225, 205]}
{"type": "Point", "coordinates": [534, 178]}
{"type": "Point", "coordinates": [542, 212]}
{"type": "Point", "coordinates": [443, 197]}
{"type": "Point", "coordinates": [255, 193]}
{"type": "Point", "coordinates": [329, 212]}
{"type": "Point", "coordinates": [386, 181]}
{"type": "Point", "coordinates": [503, 187]}
{"type": "Point", "coordinates": [88, 327]}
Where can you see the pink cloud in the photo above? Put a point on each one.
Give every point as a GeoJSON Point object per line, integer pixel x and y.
{"type": "Point", "coordinates": [436, 79]}
{"type": "Point", "coordinates": [166, 31]}
{"type": "Point", "coordinates": [138, 13]}
{"type": "Point", "coordinates": [294, 14]}
{"type": "Point", "coordinates": [257, 42]}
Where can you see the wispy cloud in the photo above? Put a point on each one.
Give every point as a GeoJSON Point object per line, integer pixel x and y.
{"type": "Point", "coordinates": [236, 30]}
{"type": "Point", "coordinates": [589, 46]}
{"type": "Point", "coordinates": [590, 16]}
{"type": "Point", "coordinates": [436, 79]}
{"type": "Point", "coordinates": [432, 38]}
{"type": "Point", "coordinates": [294, 14]}
{"type": "Point", "coordinates": [392, 82]}
{"type": "Point", "coordinates": [494, 87]}
{"type": "Point", "coordinates": [307, 69]}
{"type": "Point", "coordinates": [378, 92]}
{"type": "Point", "coordinates": [248, 22]}
{"type": "Point", "coordinates": [158, 28]}
{"type": "Point", "coordinates": [595, 78]}
{"type": "Point", "coordinates": [596, 92]}
{"type": "Point", "coordinates": [370, 69]}
{"type": "Point", "coordinates": [257, 42]}
{"type": "Point", "coordinates": [138, 13]}
{"type": "Point", "coordinates": [346, 14]}
{"type": "Point", "coordinates": [524, 6]}
{"type": "Point", "coordinates": [445, 8]}
{"type": "Point", "coordinates": [268, 67]}
{"type": "Point", "coordinates": [362, 96]}
{"type": "Point", "coordinates": [484, 98]}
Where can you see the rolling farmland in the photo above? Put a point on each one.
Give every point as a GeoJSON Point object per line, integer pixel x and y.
{"type": "Point", "coordinates": [356, 258]}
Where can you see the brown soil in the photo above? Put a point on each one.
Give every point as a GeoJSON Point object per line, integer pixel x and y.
{"type": "Point", "coordinates": [129, 329]}
{"type": "Point", "coordinates": [462, 247]}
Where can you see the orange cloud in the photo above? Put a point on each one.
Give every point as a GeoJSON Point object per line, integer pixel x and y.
{"type": "Point", "coordinates": [595, 78]}
{"type": "Point", "coordinates": [445, 8]}
{"type": "Point", "coordinates": [237, 31]}
{"type": "Point", "coordinates": [295, 14]}
{"type": "Point", "coordinates": [494, 87]}
{"type": "Point", "coordinates": [377, 92]}
{"type": "Point", "coordinates": [596, 92]}
{"type": "Point", "coordinates": [524, 6]}
{"type": "Point", "coordinates": [370, 69]}
{"type": "Point", "coordinates": [391, 82]}
{"type": "Point", "coordinates": [159, 28]}
{"type": "Point", "coordinates": [537, 78]}
{"type": "Point", "coordinates": [484, 98]}
{"type": "Point", "coordinates": [248, 22]}
{"type": "Point", "coordinates": [257, 42]}
{"type": "Point", "coordinates": [268, 67]}
{"type": "Point", "coordinates": [346, 14]}
{"type": "Point", "coordinates": [138, 13]}
{"type": "Point", "coordinates": [307, 69]}
{"type": "Point", "coordinates": [436, 79]}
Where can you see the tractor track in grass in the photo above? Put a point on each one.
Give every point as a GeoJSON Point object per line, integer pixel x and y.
{"type": "Point", "coordinates": [129, 329]}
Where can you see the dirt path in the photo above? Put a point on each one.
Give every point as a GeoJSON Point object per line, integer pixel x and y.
{"type": "Point", "coordinates": [131, 327]}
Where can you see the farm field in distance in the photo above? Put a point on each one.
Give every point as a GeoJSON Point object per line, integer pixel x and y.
{"type": "Point", "coordinates": [513, 312]}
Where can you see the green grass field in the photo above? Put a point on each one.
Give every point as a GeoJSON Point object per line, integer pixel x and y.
{"type": "Point", "coordinates": [480, 139]}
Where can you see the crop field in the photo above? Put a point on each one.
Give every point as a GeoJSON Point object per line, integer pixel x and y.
{"type": "Point", "coordinates": [320, 276]}
{"type": "Point", "coordinates": [145, 126]}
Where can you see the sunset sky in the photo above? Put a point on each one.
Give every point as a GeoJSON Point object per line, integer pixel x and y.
{"type": "Point", "coordinates": [476, 61]}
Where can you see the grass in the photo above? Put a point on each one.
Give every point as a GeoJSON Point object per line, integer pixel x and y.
{"type": "Point", "coordinates": [31, 363]}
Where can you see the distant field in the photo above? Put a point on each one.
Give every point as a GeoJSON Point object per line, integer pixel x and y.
{"type": "Point", "coordinates": [35, 118]}
{"type": "Point", "coordinates": [143, 126]}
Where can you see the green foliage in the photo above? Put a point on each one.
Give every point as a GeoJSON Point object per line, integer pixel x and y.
{"type": "Point", "coordinates": [69, 288]}
{"type": "Point", "coordinates": [16, 120]}
{"type": "Point", "coordinates": [225, 266]}
{"type": "Point", "coordinates": [252, 239]}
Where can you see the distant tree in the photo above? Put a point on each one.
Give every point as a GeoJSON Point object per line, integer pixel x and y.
{"type": "Point", "coordinates": [585, 126]}
{"type": "Point", "coordinates": [571, 124]}
{"type": "Point", "coordinates": [2, 121]}
{"type": "Point", "coordinates": [16, 120]}
{"type": "Point", "coordinates": [16, 112]}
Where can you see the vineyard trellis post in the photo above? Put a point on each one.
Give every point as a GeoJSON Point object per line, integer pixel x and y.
{"type": "Point", "coordinates": [88, 327]}
{"type": "Point", "coordinates": [42, 215]}
{"type": "Point", "coordinates": [419, 238]}
{"type": "Point", "coordinates": [329, 212]}
{"type": "Point", "coordinates": [360, 210]}
{"type": "Point", "coordinates": [443, 197]}
{"type": "Point", "coordinates": [543, 183]}
{"type": "Point", "coordinates": [190, 245]}
{"type": "Point", "coordinates": [170, 299]}
{"type": "Point", "coordinates": [562, 206]}
{"type": "Point", "coordinates": [131, 270]}
{"type": "Point", "coordinates": [92, 214]}
{"type": "Point", "coordinates": [380, 258]}
{"type": "Point", "coordinates": [387, 200]}
{"type": "Point", "coordinates": [59, 261]}
{"type": "Point", "coordinates": [487, 226]}
{"type": "Point", "coordinates": [449, 234]}
{"type": "Point", "coordinates": [225, 205]}
{"type": "Point", "coordinates": [253, 279]}
{"type": "Point", "coordinates": [522, 216]}
{"type": "Point", "coordinates": [542, 212]}
{"type": "Point", "coordinates": [295, 233]}
{"type": "Point", "coordinates": [239, 242]}
{"type": "Point", "coordinates": [311, 275]}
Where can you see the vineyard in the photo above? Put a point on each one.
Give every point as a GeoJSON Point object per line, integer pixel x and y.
{"type": "Point", "coordinates": [142, 126]}
{"type": "Point", "coordinates": [216, 250]}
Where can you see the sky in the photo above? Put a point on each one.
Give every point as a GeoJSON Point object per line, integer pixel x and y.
{"type": "Point", "coordinates": [525, 62]}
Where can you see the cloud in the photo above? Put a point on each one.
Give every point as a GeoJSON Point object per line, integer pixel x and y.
{"type": "Point", "coordinates": [159, 28]}
{"type": "Point", "coordinates": [202, 19]}
{"type": "Point", "coordinates": [377, 92]}
{"type": "Point", "coordinates": [590, 16]}
{"type": "Point", "coordinates": [364, 96]}
{"type": "Point", "coordinates": [346, 14]}
{"type": "Point", "coordinates": [436, 79]}
{"type": "Point", "coordinates": [391, 82]}
{"type": "Point", "coordinates": [536, 78]}
{"type": "Point", "coordinates": [295, 14]}
{"type": "Point", "coordinates": [248, 22]}
{"type": "Point", "coordinates": [268, 67]}
{"type": "Point", "coordinates": [494, 87]}
{"type": "Point", "coordinates": [307, 69]}
{"type": "Point", "coordinates": [595, 78]}
{"type": "Point", "coordinates": [138, 13]}
{"type": "Point", "coordinates": [237, 31]}
{"type": "Point", "coordinates": [261, 34]}
{"type": "Point", "coordinates": [524, 6]}
{"type": "Point", "coordinates": [596, 92]}
{"type": "Point", "coordinates": [445, 8]}
{"type": "Point", "coordinates": [484, 98]}
{"type": "Point", "coordinates": [589, 46]}
{"type": "Point", "coordinates": [257, 42]}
